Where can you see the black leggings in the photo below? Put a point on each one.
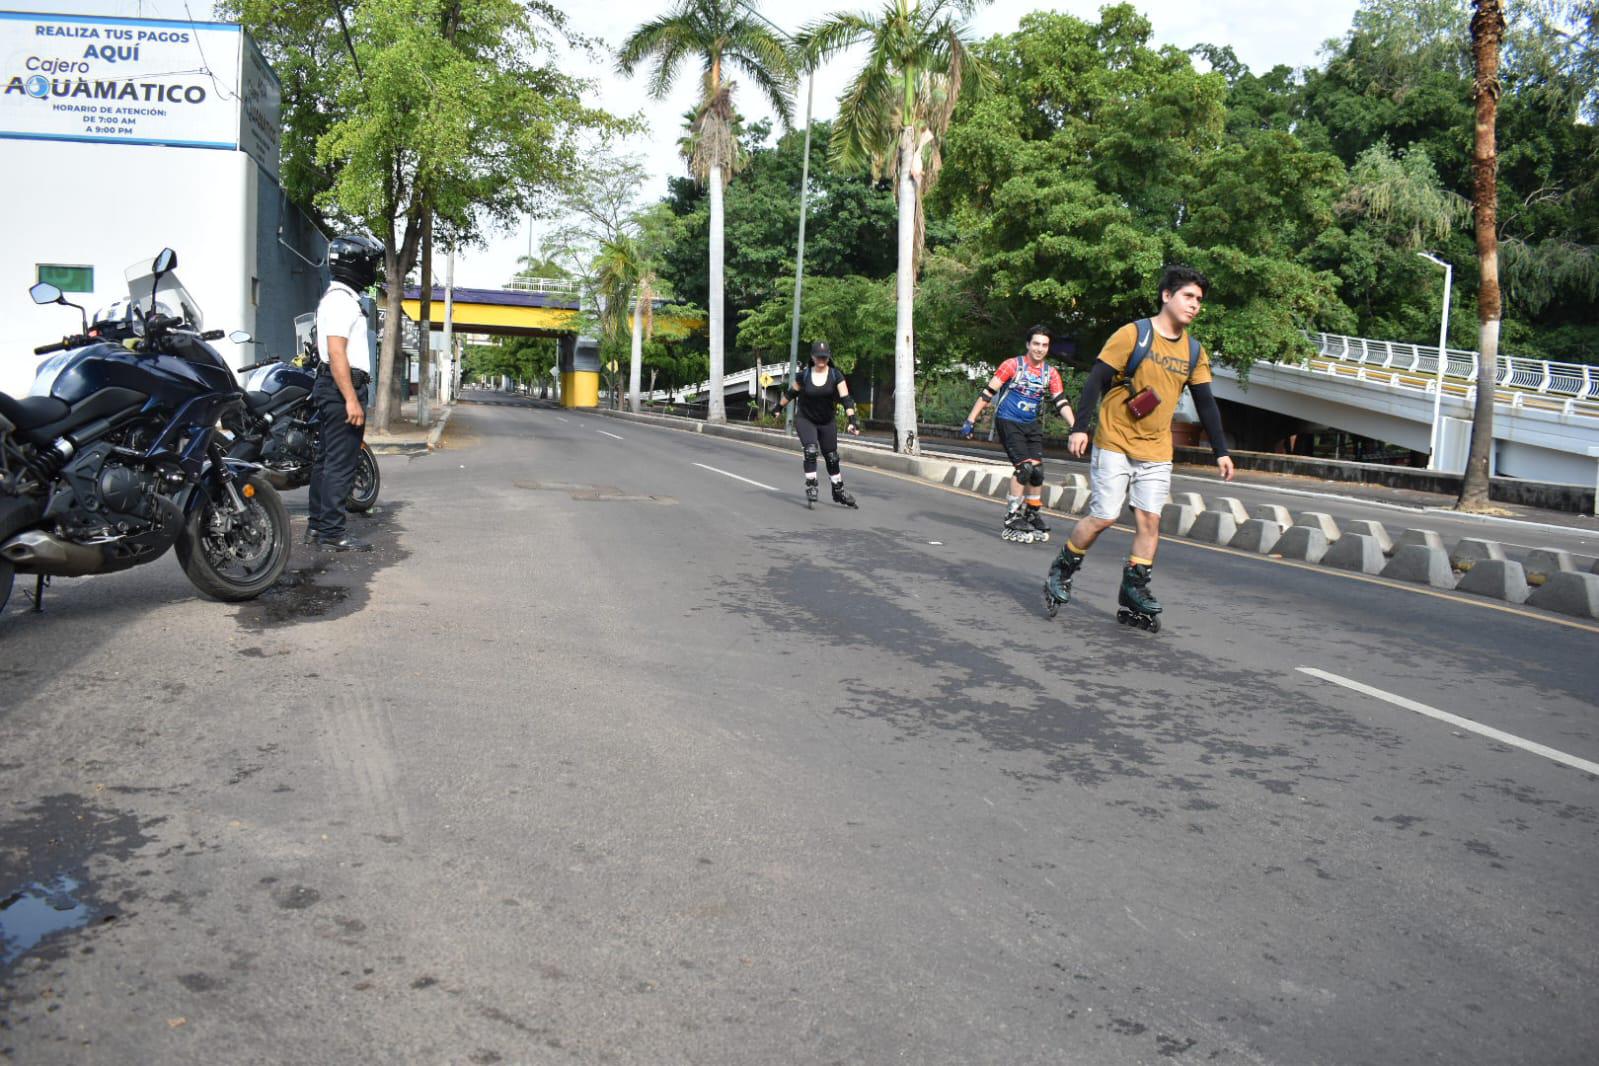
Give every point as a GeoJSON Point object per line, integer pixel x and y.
{"type": "Point", "coordinates": [818, 437]}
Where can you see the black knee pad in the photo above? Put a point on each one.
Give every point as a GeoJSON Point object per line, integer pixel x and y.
{"type": "Point", "coordinates": [831, 459]}
{"type": "Point", "coordinates": [1037, 475]}
{"type": "Point", "coordinates": [1021, 472]}
{"type": "Point", "coordinates": [811, 453]}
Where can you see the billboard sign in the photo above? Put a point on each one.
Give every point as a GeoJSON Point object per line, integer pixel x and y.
{"type": "Point", "coordinates": [128, 81]}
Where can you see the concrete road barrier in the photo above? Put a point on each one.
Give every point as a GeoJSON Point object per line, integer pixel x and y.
{"type": "Point", "coordinates": [1074, 500]}
{"type": "Point", "coordinates": [1470, 551]}
{"type": "Point", "coordinates": [1359, 552]}
{"type": "Point", "coordinates": [1322, 521]}
{"type": "Point", "coordinates": [1425, 564]}
{"type": "Point", "coordinates": [1374, 530]}
{"type": "Point", "coordinates": [1425, 537]}
{"type": "Point", "coordinates": [1544, 563]}
{"type": "Point", "coordinates": [1189, 499]}
{"type": "Point", "coordinates": [1257, 535]}
{"type": "Point", "coordinates": [1176, 519]}
{"type": "Point", "coordinates": [1214, 527]}
{"type": "Point", "coordinates": [1075, 480]}
{"type": "Point", "coordinates": [1306, 543]}
{"type": "Point", "coordinates": [1501, 579]}
{"type": "Point", "coordinates": [1231, 505]}
{"type": "Point", "coordinates": [1569, 592]}
{"type": "Point", "coordinates": [1273, 512]}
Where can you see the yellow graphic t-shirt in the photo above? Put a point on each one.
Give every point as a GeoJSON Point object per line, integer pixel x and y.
{"type": "Point", "coordinates": [1164, 369]}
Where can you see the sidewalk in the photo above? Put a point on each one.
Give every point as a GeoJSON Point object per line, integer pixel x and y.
{"type": "Point", "coordinates": [405, 437]}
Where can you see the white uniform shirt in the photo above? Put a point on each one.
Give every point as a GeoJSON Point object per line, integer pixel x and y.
{"type": "Point", "coordinates": [340, 315]}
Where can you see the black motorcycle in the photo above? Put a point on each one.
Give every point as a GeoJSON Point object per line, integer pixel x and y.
{"type": "Point", "coordinates": [278, 429]}
{"type": "Point", "coordinates": [115, 456]}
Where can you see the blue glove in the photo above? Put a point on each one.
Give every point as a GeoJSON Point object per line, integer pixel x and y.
{"type": "Point", "coordinates": [966, 430]}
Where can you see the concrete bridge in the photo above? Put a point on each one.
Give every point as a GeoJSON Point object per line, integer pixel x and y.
{"type": "Point", "coordinates": [1546, 414]}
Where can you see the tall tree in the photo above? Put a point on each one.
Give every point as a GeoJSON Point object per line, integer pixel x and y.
{"type": "Point", "coordinates": [893, 117]}
{"type": "Point", "coordinates": [623, 279]}
{"type": "Point", "coordinates": [723, 35]}
{"type": "Point", "coordinates": [459, 103]}
{"type": "Point", "coordinates": [1487, 32]}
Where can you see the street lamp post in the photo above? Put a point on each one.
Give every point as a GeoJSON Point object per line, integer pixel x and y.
{"type": "Point", "coordinates": [799, 255]}
{"type": "Point", "coordinates": [1433, 459]}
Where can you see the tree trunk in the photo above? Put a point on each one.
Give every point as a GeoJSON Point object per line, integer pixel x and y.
{"type": "Point", "coordinates": [1487, 30]}
{"type": "Point", "coordinates": [389, 346]}
{"type": "Point", "coordinates": [636, 364]}
{"type": "Point", "coordinates": [905, 301]}
{"type": "Point", "coordinates": [424, 333]}
{"type": "Point", "coordinates": [716, 410]}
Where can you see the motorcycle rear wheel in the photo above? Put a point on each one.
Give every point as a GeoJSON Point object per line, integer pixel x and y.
{"type": "Point", "coordinates": [232, 557]}
{"type": "Point", "coordinates": [368, 481]}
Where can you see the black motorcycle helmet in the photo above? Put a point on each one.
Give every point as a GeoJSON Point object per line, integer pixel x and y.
{"type": "Point", "coordinates": [821, 351]}
{"type": "Point", "coordinates": [353, 258]}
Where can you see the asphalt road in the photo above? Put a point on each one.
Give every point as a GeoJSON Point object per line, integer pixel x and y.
{"type": "Point", "coordinates": [615, 752]}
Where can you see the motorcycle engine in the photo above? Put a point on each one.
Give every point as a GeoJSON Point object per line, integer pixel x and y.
{"type": "Point", "coordinates": [105, 496]}
{"type": "Point", "coordinates": [291, 442]}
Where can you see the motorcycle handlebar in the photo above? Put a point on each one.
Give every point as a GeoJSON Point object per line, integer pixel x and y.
{"type": "Point", "coordinates": [213, 335]}
{"type": "Point", "coordinates": [59, 346]}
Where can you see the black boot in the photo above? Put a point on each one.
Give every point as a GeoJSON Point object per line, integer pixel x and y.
{"type": "Point", "coordinates": [1061, 572]}
{"type": "Point", "coordinates": [842, 497]}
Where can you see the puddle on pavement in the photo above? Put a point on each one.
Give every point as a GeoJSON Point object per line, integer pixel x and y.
{"type": "Point", "coordinates": [47, 888]}
{"type": "Point", "coordinates": [30, 915]}
{"type": "Point", "coordinates": [322, 585]}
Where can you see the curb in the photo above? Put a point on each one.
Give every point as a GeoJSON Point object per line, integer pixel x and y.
{"type": "Point", "coordinates": [417, 447]}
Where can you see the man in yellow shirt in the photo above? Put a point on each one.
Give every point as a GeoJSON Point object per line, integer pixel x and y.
{"type": "Point", "coordinates": [1132, 443]}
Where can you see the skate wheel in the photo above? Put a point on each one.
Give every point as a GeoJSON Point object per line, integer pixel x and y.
{"type": "Point", "coordinates": [1124, 618]}
{"type": "Point", "coordinates": [1051, 605]}
{"type": "Point", "coordinates": [1042, 538]}
{"type": "Point", "coordinates": [1154, 625]}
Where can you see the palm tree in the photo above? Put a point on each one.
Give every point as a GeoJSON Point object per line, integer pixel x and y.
{"type": "Point", "coordinates": [622, 276]}
{"type": "Point", "coordinates": [1487, 31]}
{"type": "Point", "coordinates": [721, 34]}
{"type": "Point", "coordinates": [893, 117]}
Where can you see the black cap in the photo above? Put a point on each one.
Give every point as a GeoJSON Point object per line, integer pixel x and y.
{"type": "Point", "coordinates": [819, 349]}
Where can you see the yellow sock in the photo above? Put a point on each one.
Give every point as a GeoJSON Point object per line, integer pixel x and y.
{"type": "Point", "coordinates": [1133, 560]}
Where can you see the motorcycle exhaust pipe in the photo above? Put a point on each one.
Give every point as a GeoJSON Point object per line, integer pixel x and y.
{"type": "Point", "coordinates": [36, 552]}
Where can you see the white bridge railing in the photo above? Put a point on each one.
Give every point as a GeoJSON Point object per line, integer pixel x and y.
{"type": "Point", "coordinates": [549, 286]}
{"type": "Point", "coordinates": [1533, 375]}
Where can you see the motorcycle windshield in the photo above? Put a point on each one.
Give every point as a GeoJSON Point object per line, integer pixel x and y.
{"type": "Point", "coordinates": [167, 298]}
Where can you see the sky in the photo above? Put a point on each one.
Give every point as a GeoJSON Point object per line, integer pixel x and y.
{"type": "Point", "coordinates": [1262, 34]}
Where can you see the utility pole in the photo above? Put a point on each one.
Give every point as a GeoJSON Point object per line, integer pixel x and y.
{"type": "Point", "coordinates": [1433, 459]}
{"type": "Point", "coordinates": [799, 254]}
{"type": "Point", "coordinates": [424, 344]}
{"type": "Point", "coordinates": [453, 368]}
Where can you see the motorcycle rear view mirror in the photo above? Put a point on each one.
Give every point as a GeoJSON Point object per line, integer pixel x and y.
{"type": "Point", "coordinates": [46, 293]}
{"type": "Point", "coordinates": [241, 336]}
{"type": "Point", "coordinates": [165, 262]}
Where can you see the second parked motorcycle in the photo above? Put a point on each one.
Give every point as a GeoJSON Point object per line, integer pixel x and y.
{"type": "Point", "coordinates": [278, 430]}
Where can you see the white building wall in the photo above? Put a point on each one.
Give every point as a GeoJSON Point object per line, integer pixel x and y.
{"type": "Point", "coordinates": [110, 206]}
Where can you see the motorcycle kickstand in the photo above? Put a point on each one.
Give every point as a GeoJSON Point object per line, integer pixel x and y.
{"type": "Point", "coordinates": [40, 583]}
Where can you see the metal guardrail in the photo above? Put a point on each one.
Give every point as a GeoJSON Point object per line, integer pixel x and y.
{"type": "Point", "coordinates": [552, 286]}
{"type": "Point", "coordinates": [1577, 380]}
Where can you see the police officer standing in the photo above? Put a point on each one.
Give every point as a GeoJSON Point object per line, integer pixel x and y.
{"type": "Point", "coordinates": [340, 391]}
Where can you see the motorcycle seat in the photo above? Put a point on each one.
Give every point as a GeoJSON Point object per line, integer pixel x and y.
{"type": "Point", "coordinates": [258, 401]}
{"type": "Point", "coordinates": [31, 412]}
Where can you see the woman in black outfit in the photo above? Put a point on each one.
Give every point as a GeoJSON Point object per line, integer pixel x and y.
{"type": "Point", "coordinates": [819, 390]}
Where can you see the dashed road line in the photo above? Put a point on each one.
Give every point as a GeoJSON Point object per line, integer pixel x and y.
{"type": "Point", "coordinates": [1455, 720]}
{"type": "Point", "coordinates": [608, 433]}
{"type": "Point", "coordinates": [737, 477]}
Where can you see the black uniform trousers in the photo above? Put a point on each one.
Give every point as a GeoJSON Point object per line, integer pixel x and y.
{"type": "Point", "coordinates": [338, 453]}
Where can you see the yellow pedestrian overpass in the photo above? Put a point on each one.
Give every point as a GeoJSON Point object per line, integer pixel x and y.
{"type": "Point", "coordinates": [536, 307]}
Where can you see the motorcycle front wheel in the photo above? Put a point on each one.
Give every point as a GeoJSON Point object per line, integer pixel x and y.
{"type": "Point", "coordinates": [364, 489]}
{"type": "Point", "coordinates": [231, 556]}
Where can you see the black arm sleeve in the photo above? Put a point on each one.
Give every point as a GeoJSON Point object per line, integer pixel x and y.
{"type": "Point", "coordinates": [1209, 417]}
{"type": "Point", "coordinates": [1087, 409]}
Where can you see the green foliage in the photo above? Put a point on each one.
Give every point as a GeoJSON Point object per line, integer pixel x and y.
{"type": "Point", "coordinates": [526, 360]}
{"type": "Point", "coordinates": [853, 314]}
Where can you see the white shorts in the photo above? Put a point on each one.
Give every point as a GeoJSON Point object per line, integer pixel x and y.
{"type": "Point", "coordinates": [1112, 475]}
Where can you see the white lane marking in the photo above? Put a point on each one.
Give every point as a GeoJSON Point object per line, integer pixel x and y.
{"type": "Point", "coordinates": [736, 477]}
{"type": "Point", "coordinates": [609, 434]}
{"type": "Point", "coordinates": [1454, 719]}
{"type": "Point", "coordinates": [561, 419]}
